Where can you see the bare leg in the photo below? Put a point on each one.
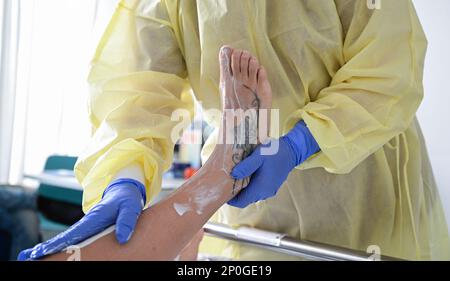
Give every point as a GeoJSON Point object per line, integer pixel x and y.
{"type": "Point", "coordinates": [190, 252]}
{"type": "Point", "coordinates": [165, 229]}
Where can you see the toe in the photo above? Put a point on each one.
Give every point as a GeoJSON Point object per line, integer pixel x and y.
{"type": "Point", "coordinates": [225, 60]}
{"type": "Point", "coordinates": [245, 57]}
{"type": "Point", "coordinates": [261, 75]}
{"type": "Point", "coordinates": [236, 62]}
{"type": "Point", "coordinates": [264, 90]}
{"type": "Point", "coordinates": [253, 70]}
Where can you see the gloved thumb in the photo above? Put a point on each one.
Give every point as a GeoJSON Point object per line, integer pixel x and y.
{"type": "Point", "coordinates": [125, 224]}
{"type": "Point", "coordinates": [244, 198]}
{"type": "Point", "coordinates": [247, 166]}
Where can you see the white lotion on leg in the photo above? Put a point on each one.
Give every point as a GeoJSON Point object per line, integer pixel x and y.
{"type": "Point", "coordinates": [181, 209]}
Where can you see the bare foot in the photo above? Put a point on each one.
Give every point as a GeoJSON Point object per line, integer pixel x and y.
{"type": "Point", "coordinates": [246, 93]}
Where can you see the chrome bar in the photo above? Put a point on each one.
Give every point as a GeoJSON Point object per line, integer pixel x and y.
{"type": "Point", "coordinates": [283, 244]}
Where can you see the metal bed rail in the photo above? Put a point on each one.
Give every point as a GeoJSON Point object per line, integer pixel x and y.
{"type": "Point", "coordinates": [281, 243]}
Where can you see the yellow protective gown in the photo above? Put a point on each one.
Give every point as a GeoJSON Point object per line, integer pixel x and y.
{"type": "Point", "coordinates": [354, 74]}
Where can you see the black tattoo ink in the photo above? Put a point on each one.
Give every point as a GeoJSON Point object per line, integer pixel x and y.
{"type": "Point", "coordinates": [245, 149]}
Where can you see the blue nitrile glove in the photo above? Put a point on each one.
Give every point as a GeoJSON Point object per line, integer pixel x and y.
{"type": "Point", "coordinates": [268, 172]}
{"type": "Point", "coordinates": [121, 204]}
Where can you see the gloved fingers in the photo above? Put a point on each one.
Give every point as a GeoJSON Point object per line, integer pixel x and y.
{"type": "Point", "coordinates": [245, 197]}
{"type": "Point", "coordinates": [24, 255]}
{"type": "Point", "coordinates": [125, 224]}
{"type": "Point", "coordinates": [247, 166]}
{"type": "Point", "coordinates": [51, 246]}
{"type": "Point", "coordinates": [91, 224]}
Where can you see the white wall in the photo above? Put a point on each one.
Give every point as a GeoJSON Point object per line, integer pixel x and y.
{"type": "Point", "coordinates": [434, 113]}
{"type": "Point", "coordinates": [8, 45]}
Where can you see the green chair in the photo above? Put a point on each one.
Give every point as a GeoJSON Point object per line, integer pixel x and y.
{"type": "Point", "coordinates": [58, 207]}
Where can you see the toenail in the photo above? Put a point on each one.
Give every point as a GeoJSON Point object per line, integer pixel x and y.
{"type": "Point", "coordinates": [226, 50]}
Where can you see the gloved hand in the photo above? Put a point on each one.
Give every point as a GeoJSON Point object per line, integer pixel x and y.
{"type": "Point", "coordinates": [121, 204]}
{"type": "Point", "coordinates": [268, 172]}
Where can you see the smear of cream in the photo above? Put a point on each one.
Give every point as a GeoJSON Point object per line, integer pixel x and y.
{"type": "Point", "coordinates": [204, 196]}
{"type": "Point", "coordinates": [181, 209]}
{"type": "Point", "coordinates": [199, 199]}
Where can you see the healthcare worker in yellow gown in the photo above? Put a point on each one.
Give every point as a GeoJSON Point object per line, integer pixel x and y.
{"type": "Point", "coordinates": [352, 72]}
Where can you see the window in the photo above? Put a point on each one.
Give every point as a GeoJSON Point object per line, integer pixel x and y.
{"type": "Point", "coordinates": [57, 41]}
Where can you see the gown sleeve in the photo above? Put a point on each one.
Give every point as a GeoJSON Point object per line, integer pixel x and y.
{"type": "Point", "coordinates": [138, 78]}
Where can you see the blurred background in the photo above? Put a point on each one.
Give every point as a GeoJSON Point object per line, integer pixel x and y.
{"type": "Point", "coordinates": [45, 49]}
